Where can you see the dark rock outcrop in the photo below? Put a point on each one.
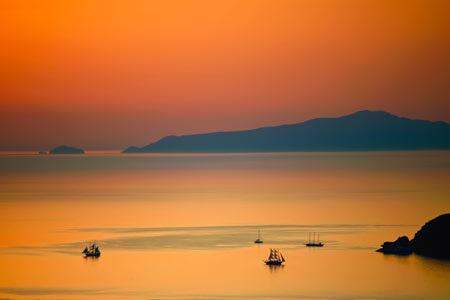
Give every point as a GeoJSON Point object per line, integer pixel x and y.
{"type": "Point", "coordinates": [433, 239]}
{"type": "Point", "coordinates": [402, 246]}
{"type": "Point", "coordinates": [66, 150]}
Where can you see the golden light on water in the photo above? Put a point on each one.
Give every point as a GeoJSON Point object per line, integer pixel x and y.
{"type": "Point", "coordinates": [180, 226]}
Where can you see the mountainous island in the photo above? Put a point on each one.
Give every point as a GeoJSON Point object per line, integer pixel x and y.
{"type": "Point", "coordinates": [361, 131]}
{"type": "Point", "coordinates": [433, 239]}
{"type": "Point", "coordinates": [66, 150]}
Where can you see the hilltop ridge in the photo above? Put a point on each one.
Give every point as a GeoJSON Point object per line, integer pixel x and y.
{"type": "Point", "coordinates": [361, 131]}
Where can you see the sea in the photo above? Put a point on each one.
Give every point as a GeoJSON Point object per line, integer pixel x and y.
{"type": "Point", "coordinates": [182, 226]}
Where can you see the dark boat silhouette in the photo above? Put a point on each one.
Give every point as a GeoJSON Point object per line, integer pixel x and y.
{"type": "Point", "coordinates": [275, 258]}
{"type": "Point", "coordinates": [91, 250]}
{"type": "Point", "coordinates": [258, 240]}
{"type": "Point", "coordinates": [314, 243]}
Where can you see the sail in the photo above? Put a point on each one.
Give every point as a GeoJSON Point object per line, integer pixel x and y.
{"type": "Point", "coordinates": [275, 257]}
{"type": "Point", "coordinates": [271, 254]}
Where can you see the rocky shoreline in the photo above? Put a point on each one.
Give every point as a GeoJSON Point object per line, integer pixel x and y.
{"type": "Point", "coordinates": [433, 240]}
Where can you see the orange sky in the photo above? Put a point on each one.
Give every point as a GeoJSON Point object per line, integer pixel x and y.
{"type": "Point", "coordinates": [109, 74]}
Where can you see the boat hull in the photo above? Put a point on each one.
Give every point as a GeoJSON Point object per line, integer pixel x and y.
{"type": "Point", "coordinates": [273, 263]}
{"type": "Point", "coordinates": [314, 245]}
{"type": "Point", "coordinates": [92, 254]}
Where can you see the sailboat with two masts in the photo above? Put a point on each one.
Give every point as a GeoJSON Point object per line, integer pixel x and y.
{"type": "Point", "coordinates": [275, 258]}
{"type": "Point", "coordinates": [314, 242]}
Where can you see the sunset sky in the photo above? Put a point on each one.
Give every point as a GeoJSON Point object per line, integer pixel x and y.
{"type": "Point", "coordinates": [110, 74]}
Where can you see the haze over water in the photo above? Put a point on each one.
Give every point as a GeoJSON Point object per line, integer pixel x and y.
{"type": "Point", "coordinates": [183, 226]}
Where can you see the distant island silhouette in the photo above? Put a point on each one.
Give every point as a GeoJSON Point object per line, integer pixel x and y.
{"type": "Point", "coordinates": [433, 239]}
{"type": "Point", "coordinates": [361, 131]}
{"type": "Point", "coordinates": [66, 150]}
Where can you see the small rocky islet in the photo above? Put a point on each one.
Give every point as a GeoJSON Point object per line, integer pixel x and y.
{"type": "Point", "coordinates": [433, 240]}
{"type": "Point", "coordinates": [66, 150]}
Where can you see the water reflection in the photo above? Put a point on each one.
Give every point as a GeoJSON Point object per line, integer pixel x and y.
{"type": "Point", "coordinates": [342, 237]}
{"type": "Point", "coordinates": [91, 258]}
{"type": "Point", "coordinates": [183, 227]}
{"type": "Point", "coordinates": [275, 268]}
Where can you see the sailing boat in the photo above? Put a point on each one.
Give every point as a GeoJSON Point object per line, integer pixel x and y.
{"type": "Point", "coordinates": [314, 243]}
{"type": "Point", "coordinates": [258, 240]}
{"type": "Point", "coordinates": [91, 250]}
{"type": "Point", "coordinates": [275, 258]}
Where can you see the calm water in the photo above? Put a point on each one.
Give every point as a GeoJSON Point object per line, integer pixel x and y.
{"type": "Point", "coordinates": [182, 226]}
